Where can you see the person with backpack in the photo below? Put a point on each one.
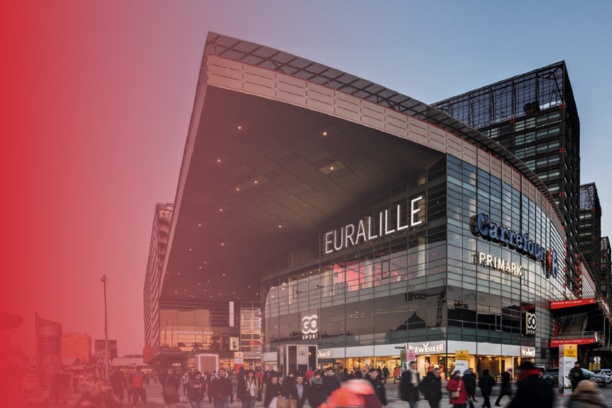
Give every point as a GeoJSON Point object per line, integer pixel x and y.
{"type": "Point", "coordinates": [431, 388]}
{"type": "Point", "coordinates": [486, 384]}
{"type": "Point", "coordinates": [138, 390]}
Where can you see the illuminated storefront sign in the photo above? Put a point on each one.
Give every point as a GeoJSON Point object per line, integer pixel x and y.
{"type": "Point", "coordinates": [324, 353]}
{"type": "Point", "coordinates": [529, 323]}
{"type": "Point", "coordinates": [427, 348]}
{"type": "Point", "coordinates": [519, 242]}
{"type": "Point", "coordinates": [497, 263]}
{"type": "Point", "coordinates": [528, 352]}
{"type": "Point", "coordinates": [310, 327]}
{"type": "Point", "coordinates": [365, 230]}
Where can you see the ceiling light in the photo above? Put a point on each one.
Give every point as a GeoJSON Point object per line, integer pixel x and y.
{"type": "Point", "coordinates": [239, 127]}
{"type": "Point", "coordinates": [224, 274]}
{"type": "Point", "coordinates": [237, 188]}
{"type": "Point", "coordinates": [190, 249]}
{"type": "Point", "coordinates": [234, 293]}
{"type": "Point", "coordinates": [324, 133]}
{"type": "Point", "coordinates": [255, 181]}
{"type": "Point", "coordinates": [179, 273]}
{"type": "Point", "coordinates": [175, 292]}
{"type": "Point", "coordinates": [218, 160]}
{"type": "Point", "coordinates": [199, 225]}
{"type": "Point", "coordinates": [222, 244]}
{"type": "Point", "coordinates": [280, 226]}
{"type": "Point", "coordinates": [198, 283]}
{"type": "Point", "coordinates": [191, 295]}
{"type": "Point", "coordinates": [221, 209]}
{"type": "Point", "coordinates": [331, 168]}
{"type": "Point", "coordinates": [200, 267]}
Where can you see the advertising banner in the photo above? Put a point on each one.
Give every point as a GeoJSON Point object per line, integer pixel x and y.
{"type": "Point", "coordinates": [568, 355]}
{"type": "Point", "coordinates": [570, 303]}
{"type": "Point", "coordinates": [49, 340]}
{"type": "Point", "coordinates": [462, 360]}
{"type": "Point", "coordinates": [557, 343]}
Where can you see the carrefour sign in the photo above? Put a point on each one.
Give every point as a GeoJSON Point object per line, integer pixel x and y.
{"type": "Point", "coordinates": [519, 242]}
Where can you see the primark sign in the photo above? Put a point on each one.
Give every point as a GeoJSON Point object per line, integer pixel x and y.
{"type": "Point", "coordinates": [372, 228]}
{"type": "Point", "coordinates": [521, 243]}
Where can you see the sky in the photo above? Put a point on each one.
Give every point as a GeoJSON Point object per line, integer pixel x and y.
{"type": "Point", "coordinates": [97, 98]}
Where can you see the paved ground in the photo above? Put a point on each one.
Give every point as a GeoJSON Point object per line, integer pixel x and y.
{"type": "Point", "coordinates": [155, 399]}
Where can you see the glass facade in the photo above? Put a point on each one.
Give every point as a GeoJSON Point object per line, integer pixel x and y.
{"type": "Point", "coordinates": [421, 284]}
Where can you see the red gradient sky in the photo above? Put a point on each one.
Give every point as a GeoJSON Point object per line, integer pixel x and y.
{"type": "Point", "coordinates": [98, 95]}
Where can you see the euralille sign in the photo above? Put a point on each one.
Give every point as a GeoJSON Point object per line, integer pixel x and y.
{"type": "Point", "coordinates": [519, 242]}
{"type": "Point", "coordinates": [365, 230]}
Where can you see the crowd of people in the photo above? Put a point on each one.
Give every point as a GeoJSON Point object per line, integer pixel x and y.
{"type": "Point", "coordinates": [359, 388]}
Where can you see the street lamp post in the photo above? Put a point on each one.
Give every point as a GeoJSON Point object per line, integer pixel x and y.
{"type": "Point", "coordinates": [106, 353]}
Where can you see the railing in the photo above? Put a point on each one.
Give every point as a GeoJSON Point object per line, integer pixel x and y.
{"type": "Point", "coordinates": [579, 335]}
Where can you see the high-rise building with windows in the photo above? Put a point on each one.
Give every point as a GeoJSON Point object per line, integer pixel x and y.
{"type": "Point", "coordinates": [153, 278]}
{"type": "Point", "coordinates": [589, 238]}
{"type": "Point", "coordinates": [534, 116]}
{"type": "Point", "coordinates": [606, 269]}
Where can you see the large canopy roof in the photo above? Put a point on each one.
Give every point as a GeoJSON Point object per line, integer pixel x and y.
{"type": "Point", "coordinates": [258, 174]}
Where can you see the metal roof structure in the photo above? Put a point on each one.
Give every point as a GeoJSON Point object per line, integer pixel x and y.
{"type": "Point", "coordinates": [270, 58]}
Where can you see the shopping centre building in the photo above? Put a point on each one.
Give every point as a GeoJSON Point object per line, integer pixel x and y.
{"type": "Point", "coordinates": [335, 212]}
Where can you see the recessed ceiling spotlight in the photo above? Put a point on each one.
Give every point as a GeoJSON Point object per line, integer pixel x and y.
{"type": "Point", "coordinates": [239, 127]}
{"type": "Point", "coordinates": [324, 133]}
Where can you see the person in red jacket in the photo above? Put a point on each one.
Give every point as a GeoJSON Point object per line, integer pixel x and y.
{"type": "Point", "coordinates": [456, 384]}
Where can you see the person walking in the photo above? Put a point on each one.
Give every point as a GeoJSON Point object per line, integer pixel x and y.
{"type": "Point", "coordinates": [268, 375]}
{"type": "Point", "coordinates": [300, 390]}
{"type": "Point", "coordinates": [288, 390]}
{"type": "Point", "coordinates": [587, 395]}
{"type": "Point", "coordinates": [101, 395]}
{"type": "Point", "coordinates": [358, 374]}
{"type": "Point", "coordinates": [456, 388]}
{"type": "Point", "coordinates": [532, 391]}
{"type": "Point", "coordinates": [197, 386]}
{"type": "Point", "coordinates": [138, 390]}
{"type": "Point", "coordinates": [171, 384]}
{"type": "Point", "coordinates": [59, 384]}
{"type": "Point", "coordinates": [128, 385]}
{"type": "Point", "coordinates": [431, 388]}
{"type": "Point", "coordinates": [576, 375]}
{"type": "Point", "coordinates": [309, 374]}
{"type": "Point", "coordinates": [75, 382]}
{"type": "Point", "coordinates": [260, 379]}
{"type": "Point", "coordinates": [316, 396]}
{"type": "Point", "coordinates": [248, 389]}
{"type": "Point", "coordinates": [185, 379]}
{"type": "Point", "coordinates": [375, 380]}
{"type": "Point", "coordinates": [118, 383]}
{"type": "Point", "coordinates": [409, 385]}
{"type": "Point", "coordinates": [209, 378]}
{"type": "Point", "coordinates": [273, 392]}
{"type": "Point", "coordinates": [330, 382]}
{"type": "Point", "coordinates": [506, 386]}
{"type": "Point", "coordinates": [486, 384]}
{"type": "Point", "coordinates": [469, 381]}
{"type": "Point", "coordinates": [386, 373]}
{"type": "Point", "coordinates": [221, 389]}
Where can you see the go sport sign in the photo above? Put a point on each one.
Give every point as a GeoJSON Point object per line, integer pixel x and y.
{"type": "Point", "coordinates": [519, 242]}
